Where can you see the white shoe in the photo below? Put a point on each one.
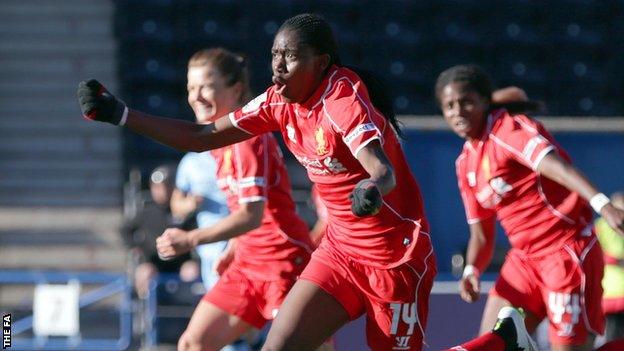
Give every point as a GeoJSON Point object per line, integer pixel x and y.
{"type": "Point", "coordinates": [509, 315]}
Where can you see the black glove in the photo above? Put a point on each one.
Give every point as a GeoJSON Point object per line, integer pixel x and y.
{"type": "Point", "coordinates": [97, 104]}
{"type": "Point", "coordinates": [365, 199]}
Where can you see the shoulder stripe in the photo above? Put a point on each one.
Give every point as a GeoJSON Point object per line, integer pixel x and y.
{"type": "Point", "coordinates": [235, 123]}
{"type": "Point", "coordinates": [525, 125]}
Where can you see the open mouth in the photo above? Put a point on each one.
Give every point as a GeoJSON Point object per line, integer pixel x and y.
{"type": "Point", "coordinates": [280, 84]}
{"type": "Point", "coordinates": [462, 125]}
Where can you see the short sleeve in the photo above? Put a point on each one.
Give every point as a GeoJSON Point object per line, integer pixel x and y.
{"type": "Point", "coordinates": [353, 115]}
{"type": "Point", "coordinates": [183, 174]}
{"type": "Point", "coordinates": [474, 211]}
{"type": "Point", "coordinates": [256, 117]}
{"type": "Point", "coordinates": [252, 168]}
{"type": "Point", "coordinates": [524, 140]}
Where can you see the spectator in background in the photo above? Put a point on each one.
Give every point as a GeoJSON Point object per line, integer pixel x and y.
{"type": "Point", "coordinates": [140, 233]}
{"type": "Point", "coordinates": [512, 168]}
{"type": "Point", "coordinates": [613, 282]}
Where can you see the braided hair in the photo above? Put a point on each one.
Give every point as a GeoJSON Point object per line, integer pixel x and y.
{"type": "Point", "coordinates": [314, 31]}
{"type": "Point", "coordinates": [476, 79]}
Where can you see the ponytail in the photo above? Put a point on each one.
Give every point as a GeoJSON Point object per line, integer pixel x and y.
{"type": "Point", "coordinates": [379, 97]}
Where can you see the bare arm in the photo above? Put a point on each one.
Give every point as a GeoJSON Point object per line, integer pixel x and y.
{"type": "Point", "coordinates": [478, 257]}
{"type": "Point", "coordinates": [481, 244]}
{"type": "Point", "coordinates": [562, 172]}
{"type": "Point", "coordinates": [374, 160]}
{"type": "Point", "coordinates": [184, 135]}
{"type": "Point", "coordinates": [246, 218]}
{"type": "Point", "coordinates": [175, 242]}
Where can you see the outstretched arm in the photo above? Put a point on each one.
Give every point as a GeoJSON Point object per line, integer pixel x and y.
{"type": "Point", "coordinates": [184, 135]}
{"type": "Point", "coordinates": [100, 105]}
{"type": "Point", "coordinates": [562, 172]}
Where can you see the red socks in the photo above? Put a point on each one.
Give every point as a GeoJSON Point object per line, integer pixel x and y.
{"type": "Point", "coordinates": [486, 342]}
{"type": "Point", "coordinates": [615, 345]}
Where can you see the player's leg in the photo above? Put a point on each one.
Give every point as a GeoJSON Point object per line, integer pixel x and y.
{"type": "Point", "coordinates": [490, 315]}
{"type": "Point", "coordinates": [509, 333]}
{"type": "Point", "coordinates": [211, 328]}
{"type": "Point", "coordinates": [515, 286]}
{"type": "Point", "coordinates": [308, 316]}
{"type": "Point", "coordinates": [573, 294]}
{"type": "Point", "coordinates": [588, 345]}
{"type": "Point", "coordinates": [397, 304]}
{"type": "Point", "coordinates": [614, 345]}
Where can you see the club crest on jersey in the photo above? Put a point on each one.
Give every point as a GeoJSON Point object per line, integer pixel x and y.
{"type": "Point", "coordinates": [321, 143]}
{"type": "Point", "coordinates": [290, 132]}
{"type": "Point", "coordinates": [485, 166]}
{"type": "Point", "coordinates": [227, 161]}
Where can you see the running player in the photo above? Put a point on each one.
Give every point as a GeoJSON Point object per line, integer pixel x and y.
{"type": "Point", "coordinates": [275, 246]}
{"type": "Point", "coordinates": [376, 257]}
{"type": "Point", "coordinates": [512, 168]}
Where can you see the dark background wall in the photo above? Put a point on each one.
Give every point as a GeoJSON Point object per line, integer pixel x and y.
{"type": "Point", "coordinates": [567, 53]}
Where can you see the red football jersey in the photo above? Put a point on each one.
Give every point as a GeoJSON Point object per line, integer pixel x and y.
{"type": "Point", "coordinates": [254, 170]}
{"type": "Point", "coordinates": [497, 176]}
{"type": "Point", "coordinates": [325, 134]}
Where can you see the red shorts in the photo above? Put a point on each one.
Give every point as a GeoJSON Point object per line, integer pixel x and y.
{"type": "Point", "coordinates": [254, 301]}
{"type": "Point", "coordinates": [564, 286]}
{"type": "Point", "coordinates": [395, 300]}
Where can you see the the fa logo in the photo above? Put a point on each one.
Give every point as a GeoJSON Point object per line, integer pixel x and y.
{"type": "Point", "coordinates": [6, 331]}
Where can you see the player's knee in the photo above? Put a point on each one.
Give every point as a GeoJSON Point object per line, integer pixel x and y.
{"type": "Point", "coordinates": [191, 342]}
{"type": "Point", "coordinates": [282, 341]}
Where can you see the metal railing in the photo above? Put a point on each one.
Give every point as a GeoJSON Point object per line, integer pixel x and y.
{"type": "Point", "coordinates": [111, 284]}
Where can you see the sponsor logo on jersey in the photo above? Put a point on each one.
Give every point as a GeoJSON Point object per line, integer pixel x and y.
{"type": "Point", "coordinates": [324, 166]}
{"type": "Point", "coordinates": [500, 186]}
{"type": "Point", "coordinates": [487, 197]}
